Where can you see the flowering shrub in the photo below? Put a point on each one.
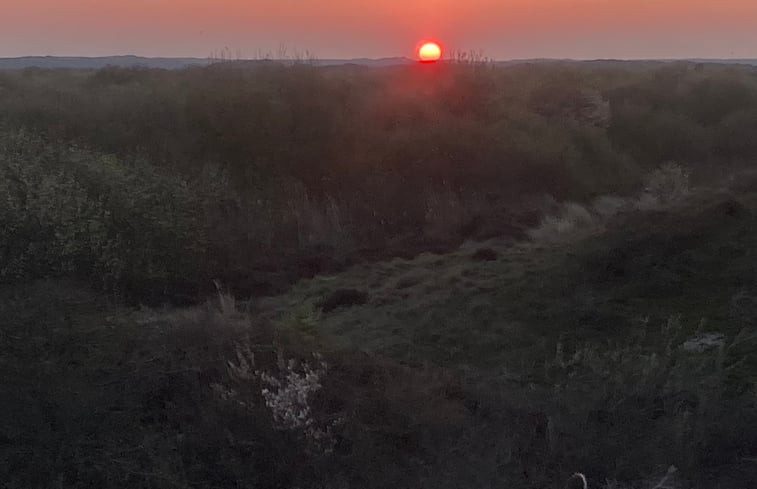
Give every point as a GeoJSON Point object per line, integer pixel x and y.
{"type": "Point", "coordinates": [288, 397]}
{"type": "Point", "coordinates": [287, 393]}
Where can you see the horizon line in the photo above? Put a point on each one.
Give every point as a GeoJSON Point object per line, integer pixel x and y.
{"type": "Point", "coordinates": [380, 58]}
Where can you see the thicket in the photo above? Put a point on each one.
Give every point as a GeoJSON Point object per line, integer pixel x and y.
{"type": "Point", "coordinates": [258, 173]}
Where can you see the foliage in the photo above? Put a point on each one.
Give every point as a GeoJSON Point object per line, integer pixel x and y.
{"type": "Point", "coordinates": [620, 352]}
{"type": "Point", "coordinates": [293, 169]}
{"type": "Point", "coordinates": [68, 212]}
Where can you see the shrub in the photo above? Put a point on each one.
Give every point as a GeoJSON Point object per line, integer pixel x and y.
{"type": "Point", "coordinates": [343, 298]}
{"type": "Point", "coordinates": [572, 219]}
{"type": "Point", "coordinates": [69, 212]}
{"type": "Point", "coordinates": [484, 254]}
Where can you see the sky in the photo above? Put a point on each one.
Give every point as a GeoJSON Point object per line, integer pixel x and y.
{"type": "Point", "coordinates": [501, 29]}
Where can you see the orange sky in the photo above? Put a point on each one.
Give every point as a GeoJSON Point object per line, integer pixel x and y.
{"type": "Point", "coordinates": [370, 28]}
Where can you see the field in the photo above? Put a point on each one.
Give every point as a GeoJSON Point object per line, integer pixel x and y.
{"type": "Point", "coordinates": [458, 275]}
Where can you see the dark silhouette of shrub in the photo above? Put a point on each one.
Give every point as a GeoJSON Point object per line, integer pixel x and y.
{"type": "Point", "coordinates": [484, 254]}
{"type": "Point", "coordinates": [343, 298]}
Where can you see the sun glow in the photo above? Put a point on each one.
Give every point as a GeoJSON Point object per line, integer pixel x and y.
{"type": "Point", "coordinates": [429, 52]}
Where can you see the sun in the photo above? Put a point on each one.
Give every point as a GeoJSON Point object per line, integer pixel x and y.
{"type": "Point", "coordinates": [429, 52]}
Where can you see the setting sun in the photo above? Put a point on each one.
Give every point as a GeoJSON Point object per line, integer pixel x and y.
{"type": "Point", "coordinates": [429, 52]}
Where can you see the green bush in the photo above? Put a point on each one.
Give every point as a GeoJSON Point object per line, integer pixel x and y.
{"type": "Point", "coordinates": [69, 212]}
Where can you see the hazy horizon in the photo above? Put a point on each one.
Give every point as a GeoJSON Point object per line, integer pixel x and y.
{"type": "Point", "coordinates": [379, 58]}
{"type": "Point", "coordinates": [338, 29]}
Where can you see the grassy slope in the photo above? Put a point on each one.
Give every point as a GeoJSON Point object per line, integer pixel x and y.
{"type": "Point", "coordinates": [503, 320]}
{"type": "Point", "coordinates": [693, 260]}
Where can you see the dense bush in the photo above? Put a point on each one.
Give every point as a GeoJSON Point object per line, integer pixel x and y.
{"type": "Point", "coordinates": [283, 169]}
{"type": "Point", "coordinates": [265, 172]}
{"type": "Point", "coordinates": [69, 212]}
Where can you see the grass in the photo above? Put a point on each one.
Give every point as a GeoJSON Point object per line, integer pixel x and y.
{"type": "Point", "coordinates": [671, 263]}
{"type": "Point", "coordinates": [598, 310]}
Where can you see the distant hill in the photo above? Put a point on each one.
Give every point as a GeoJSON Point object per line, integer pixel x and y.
{"type": "Point", "coordinates": [93, 63]}
{"type": "Point", "coordinates": [74, 62]}
{"type": "Point", "coordinates": [752, 62]}
{"type": "Point", "coordinates": [366, 61]}
{"type": "Point", "coordinates": [626, 62]}
{"type": "Point", "coordinates": [85, 63]}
